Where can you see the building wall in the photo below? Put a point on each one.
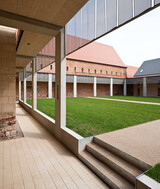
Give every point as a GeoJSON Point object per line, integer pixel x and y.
{"type": "Point", "coordinates": [152, 89]}
{"type": "Point", "coordinates": [117, 90]}
{"type": "Point", "coordinates": [137, 87]}
{"type": "Point", "coordinates": [103, 90]}
{"type": "Point", "coordinates": [7, 74]}
{"type": "Point", "coordinates": [84, 89]}
{"type": "Point", "coordinates": [69, 89]}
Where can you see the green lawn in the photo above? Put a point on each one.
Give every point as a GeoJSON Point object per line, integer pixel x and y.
{"type": "Point", "coordinates": [134, 98]}
{"type": "Point", "coordinates": [90, 117]}
{"type": "Point", "coordinates": [154, 173]}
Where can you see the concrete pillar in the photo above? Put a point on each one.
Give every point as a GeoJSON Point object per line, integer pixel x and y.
{"type": "Point", "coordinates": [49, 85]}
{"type": "Point", "coordinates": [34, 84]}
{"type": "Point", "coordinates": [125, 87]}
{"type": "Point", "coordinates": [24, 85]}
{"type": "Point", "coordinates": [19, 87]}
{"type": "Point", "coordinates": [75, 86]}
{"type": "Point", "coordinates": [60, 82]}
{"type": "Point", "coordinates": [144, 86]}
{"type": "Point", "coordinates": [95, 87]}
{"type": "Point", "coordinates": [111, 87]}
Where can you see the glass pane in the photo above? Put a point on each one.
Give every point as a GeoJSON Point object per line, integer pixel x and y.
{"type": "Point", "coordinates": [142, 5]}
{"type": "Point", "coordinates": [157, 1]}
{"type": "Point", "coordinates": [111, 13]}
{"type": "Point", "coordinates": [125, 11]}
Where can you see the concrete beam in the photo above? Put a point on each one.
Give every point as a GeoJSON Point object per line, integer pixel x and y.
{"type": "Point", "coordinates": [28, 24]}
{"type": "Point", "coordinates": [60, 82]}
{"type": "Point", "coordinates": [75, 86]}
{"type": "Point", "coordinates": [18, 56]}
{"type": "Point", "coordinates": [95, 87]}
{"type": "Point", "coordinates": [24, 85]}
{"type": "Point", "coordinates": [34, 84]}
{"type": "Point", "coordinates": [49, 85]}
{"type": "Point", "coordinates": [144, 86]}
{"type": "Point", "coordinates": [111, 87]}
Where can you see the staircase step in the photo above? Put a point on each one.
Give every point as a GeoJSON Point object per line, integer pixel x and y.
{"type": "Point", "coordinates": [125, 169]}
{"type": "Point", "coordinates": [109, 176]}
{"type": "Point", "coordinates": [123, 155]}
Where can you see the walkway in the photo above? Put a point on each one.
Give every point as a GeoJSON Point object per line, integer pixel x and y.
{"type": "Point", "coordinates": [39, 161]}
{"type": "Point", "coordinates": [139, 102]}
{"type": "Point", "coordinates": [141, 141]}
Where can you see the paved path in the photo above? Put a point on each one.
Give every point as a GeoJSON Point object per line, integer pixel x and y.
{"type": "Point", "coordinates": [139, 102]}
{"type": "Point", "coordinates": [39, 161]}
{"type": "Point", "coordinates": [141, 141]}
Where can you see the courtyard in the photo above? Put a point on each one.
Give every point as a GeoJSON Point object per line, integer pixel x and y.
{"type": "Point", "coordinates": [89, 117]}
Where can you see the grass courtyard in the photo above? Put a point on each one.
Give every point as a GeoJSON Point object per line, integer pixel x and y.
{"type": "Point", "coordinates": [134, 98]}
{"type": "Point", "coordinates": [90, 117]}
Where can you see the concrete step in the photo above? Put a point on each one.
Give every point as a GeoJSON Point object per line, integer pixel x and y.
{"type": "Point", "coordinates": [123, 155]}
{"type": "Point", "coordinates": [108, 175]}
{"type": "Point", "coordinates": [122, 167]}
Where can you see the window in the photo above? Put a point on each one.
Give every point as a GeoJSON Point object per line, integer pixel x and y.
{"type": "Point", "coordinates": [88, 70]}
{"type": "Point", "coordinates": [95, 71]}
{"type": "Point", "coordinates": [106, 72]}
{"type": "Point", "coordinates": [116, 73]}
{"type": "Point", "coordinates": [111, 73]}
{"type": "Point", "coordinates": [74, 69]}
{"type": "Point", "coordinates": [158, 91]}
{"type": "Point", "coordinates": [30, 65]}
{"type": "Point", "coordinates": [101, 71]}
{"type": "Point", "coordinates": [50, 67]}
{"type": "Point", "coordinates": [41, 66]}
{"type": "Point", "coordinates": [67, 68]}
{"type": "Point", "coordinates": [82, 70]}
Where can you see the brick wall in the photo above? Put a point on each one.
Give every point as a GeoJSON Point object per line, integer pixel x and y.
{"type": "Point", "coordinates": [84, 89]}
{"type": "Point", "coordinates": [103, 90]}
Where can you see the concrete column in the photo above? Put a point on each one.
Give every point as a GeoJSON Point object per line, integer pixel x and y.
{"type": "Point", "coordinates": [34, 84]}
{"type": "Point", "coordinates": [60, 82]}
{"type": "Point", "coordinates": [125, 87]}
{"type": "Point", "coordinates": [19, 87]}
{"type": "Point", "coordinates": [144, 86]}
{"type": "Point", "coordinates": [49, 85]}
{"type": "Point", "coordinates": [75, 86]}
{"type": "Point", "coordinates": [111, 87]}
{"type": "Point", "coordinates": [95, 87]}
{"type": "Point", "coordinates": [24, 85]}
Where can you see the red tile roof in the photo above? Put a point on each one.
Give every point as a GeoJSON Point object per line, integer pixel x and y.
{"type": "Point", "coordinates": [131, 70]}
{"type": "Point", "coordinates": [97, 53]}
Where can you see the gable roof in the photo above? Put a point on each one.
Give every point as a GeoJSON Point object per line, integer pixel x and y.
{"type": "Point", "coordinates": [149, 67]}
{"type": "Point", "coordinates": [131, 70]}
{"type": "Point", "coordinates": [97, 53]}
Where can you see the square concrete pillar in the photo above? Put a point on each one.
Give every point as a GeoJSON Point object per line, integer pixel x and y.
{"type": "Point", "coordinates": [111, 87]}
{"type": "Point", "coordinates": [19, 87]}
{"type": "Point", "coordinates": [34, 84]}
{"type": "Point", "coordinates": [125, 87]}
{"type": "Point", "coordinates": [24, 85]}
{"type": "Point", "coordinates": [144, 86]}
{"type": "Point", "coordinates": [75, 86]}
{"type": "Point", "coordinates": [49, 85]}
{"type": "Point", "coordinates": [60, 81]}
{"type": "Point", "coordinates": [95, 87]}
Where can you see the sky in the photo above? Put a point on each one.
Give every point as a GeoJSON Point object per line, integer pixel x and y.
{"type": "Point", "coordinates": [138, 40]}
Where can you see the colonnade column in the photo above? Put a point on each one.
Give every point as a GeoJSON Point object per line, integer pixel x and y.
{"type": "Point", "coordinates": [34, 84]}
{"type": "Point", "coordinates": [111, 87]}
{"type": "Point", "coordinates": [144, 86]}
{"type": "Point", "coordinates": [74, 86]}
{"type": "Point", "coordinates": [19, 87]}
{"type": "Point", "coordinates": [95, 87]}
{"type": "Point", "coordinates": [125, 87]}
{"type": "Point", "coordinates": [60, 81]}
{"type": "Point", "coordinates": [24, 85]}
{"type": "Point", "coordinates": [49, 85]}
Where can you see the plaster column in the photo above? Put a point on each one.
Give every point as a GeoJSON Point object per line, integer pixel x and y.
{"type": "Point", "coordinates": [49, 85]}
{"type": "Point", "coordinates": [75, 86]}
{"type": "Point", "coordinates": [19, 87]}
{"type": "Point", "coordinates": [60, 82]}
{"type": "Point", "coordinates": [95, 87]}
{"type": "Point", "coordinates": [24, 85]}
{"type": "Point", "coordinates": [34, 84]}
{"type": "Point", "coordinates": [144, 86]}
{"type": "Point", "coordinates": [111, 87]}
{"type": "Point", "coordinates": [125, 87]}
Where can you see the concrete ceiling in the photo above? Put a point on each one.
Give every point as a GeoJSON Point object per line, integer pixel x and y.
{"type": "Point", "coordinates": [40, 20]}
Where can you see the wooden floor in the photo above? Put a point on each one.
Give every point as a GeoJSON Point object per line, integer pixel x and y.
{"type": "Point", "coordinates": [38, 160]}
